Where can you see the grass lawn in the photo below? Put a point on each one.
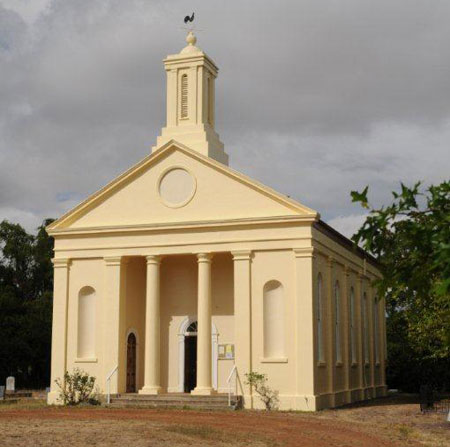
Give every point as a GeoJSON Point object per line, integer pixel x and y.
{"type": "Point", "coordinates": [393, 421]}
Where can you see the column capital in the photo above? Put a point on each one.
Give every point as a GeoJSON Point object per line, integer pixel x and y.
{"type": "Point", "coordinates": [204, 257]}
{"type": "Point", "coordinates": [330, 261]}
{"type": "Point", "coordinates": [113, 260]}
{"type": "Point", "coordinates": [347, 270]}
{"type": "Point", "coordinates": [61, 262]}
{"type": "Point", "coordinates": [242, 255]}
{"type": "Point", "coordinates": [304, 252]}
{"type": "Point", "coordinates": [153, 259]}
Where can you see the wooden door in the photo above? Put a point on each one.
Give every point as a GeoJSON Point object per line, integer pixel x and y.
{"type": "Point", "coordinates": [131, 363]}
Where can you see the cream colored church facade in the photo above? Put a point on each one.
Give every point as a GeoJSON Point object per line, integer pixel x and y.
{"type": "Point", "coordinates": [181, 269]}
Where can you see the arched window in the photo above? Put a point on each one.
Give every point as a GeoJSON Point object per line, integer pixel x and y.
{"type": "Point", "coordinates": [337, 320]}
{"type": "Point", "coordinates": [193, 328]}
{"type": "Point", "coordinates": [376, 330]}
{"type": "Point", "coordinates": [352, 325]}
{"type": "Point", "coordinates": [274, 329]}
{"type": "Point", "coordinates": [184, 96]}
{"type": "Point", "coordinates": [86, 323]}
{"type": "Point", "coordinates": [365, 328]}
{"type": "Point", "coordinates": [319, 318]}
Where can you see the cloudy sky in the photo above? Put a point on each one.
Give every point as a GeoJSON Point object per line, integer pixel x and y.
{"type": "Point", "coordinates": [314, 98]}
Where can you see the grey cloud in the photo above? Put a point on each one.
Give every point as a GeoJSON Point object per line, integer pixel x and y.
{"type": "Point", "coordinates": [313, 98]}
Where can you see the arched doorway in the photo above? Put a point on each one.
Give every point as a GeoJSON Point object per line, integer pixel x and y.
{"type": "Point", "coordinates": [187, 353]}
{"type": "Point", "coordinates": [190, 357]}
{"type": "Point", "coordinates": [131, 363]}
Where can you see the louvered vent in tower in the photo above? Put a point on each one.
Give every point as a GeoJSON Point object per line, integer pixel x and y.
{"type": "Point", "coordinates": [184, 96]}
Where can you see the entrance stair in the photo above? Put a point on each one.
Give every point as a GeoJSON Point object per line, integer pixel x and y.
{"type": "Point", "coordinates": [175, 400]}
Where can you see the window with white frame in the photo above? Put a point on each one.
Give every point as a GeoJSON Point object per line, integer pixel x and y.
{"type": "Point", "coordinates": [352, 325]}
{"type": "Point", "coordinates": [319, 319]}
{"type": "Point", "coordinates": [337, 319]}
{"type": "Point", "coordinates": [365, 328]}
{"type": "Point", "coordinates": [376, 330]}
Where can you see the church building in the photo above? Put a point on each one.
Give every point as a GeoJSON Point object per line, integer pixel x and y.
{"type": "Point", "coordinates": [182, 275]}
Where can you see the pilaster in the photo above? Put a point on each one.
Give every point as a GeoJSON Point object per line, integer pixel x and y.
{"type": "Point", "coordinates": [331, 339]}
{"type": "Point", "coordinates": [305, 330]}
{"type": "Point", "coordinates": [61, 267]}
{"type": "Point", "coordinates": [113, 319]}
{"type": "Point", "coordinates": [243, 320]}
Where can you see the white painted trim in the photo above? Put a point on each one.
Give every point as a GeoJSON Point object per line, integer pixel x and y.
{"type": "Point", "coordinates": [214, 346]}
{"type": "Point", "coordinates": [134, 331]}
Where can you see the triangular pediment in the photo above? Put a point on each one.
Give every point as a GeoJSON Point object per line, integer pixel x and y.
{"type": "Point", "coordinates": [177, 185]}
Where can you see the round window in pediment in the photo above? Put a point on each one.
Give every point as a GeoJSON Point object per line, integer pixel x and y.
{"type": "Point", "coordinates": [177, 187]}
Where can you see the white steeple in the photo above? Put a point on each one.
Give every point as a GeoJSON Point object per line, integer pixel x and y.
{"type": "Point", "coordinates": [191, 76]}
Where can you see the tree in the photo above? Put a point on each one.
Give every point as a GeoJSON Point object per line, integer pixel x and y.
{"type": "Point", "coordinates": [411, 240]}
{"type": "Point", "coordinates": [26, 283]}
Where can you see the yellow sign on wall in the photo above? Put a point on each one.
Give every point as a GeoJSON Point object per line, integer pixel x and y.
{"type": "Point", "coordinates": [226, 352]}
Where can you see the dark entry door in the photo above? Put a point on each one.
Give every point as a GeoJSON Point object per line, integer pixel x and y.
{"type": "Point", "coordinates": [190, 363]}
{"type": "Point", "coordinates": [131, 363]}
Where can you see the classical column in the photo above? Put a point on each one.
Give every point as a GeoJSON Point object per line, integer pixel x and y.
{"type": "Point", "coordinates": [114, 300]}
{"type": "Point", "coordinates": [243, 321]}
{"type": "Point", "coordinates": [204, 346]}
{"type": "Point", "coordinates": [59, 329]}
{"type": "Point", "coordinates": [305, 335]}
{"type": "Point", "coordinates": [152, 384]}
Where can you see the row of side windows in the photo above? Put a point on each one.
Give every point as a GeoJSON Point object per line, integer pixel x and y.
{"type": "Point", "coordinates": [351, 322]}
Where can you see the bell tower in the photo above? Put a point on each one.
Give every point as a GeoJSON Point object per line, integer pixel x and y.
{"type": "Point", "coordinates": [191, 77]}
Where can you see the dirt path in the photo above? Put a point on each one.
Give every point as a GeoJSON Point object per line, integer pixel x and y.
{"type": "Point", "coordinates": [147, 427]}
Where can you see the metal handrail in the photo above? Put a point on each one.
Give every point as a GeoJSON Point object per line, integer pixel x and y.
{"type": "Point", "coordinates": [233, 371]}
{"type": "Point", "coordinates": [108, 384]}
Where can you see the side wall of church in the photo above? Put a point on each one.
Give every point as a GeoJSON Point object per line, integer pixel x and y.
{"type": "Point", "coordinates": [349, 326]}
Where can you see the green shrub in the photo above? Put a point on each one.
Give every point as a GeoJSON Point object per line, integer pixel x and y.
{"type": "Point", "coordinates": [77, 388]}
{"type": "Point", "coordinates": [266, 394]}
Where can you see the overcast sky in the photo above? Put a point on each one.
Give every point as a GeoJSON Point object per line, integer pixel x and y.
{"type": "Point", "coordinates": [314, 98]}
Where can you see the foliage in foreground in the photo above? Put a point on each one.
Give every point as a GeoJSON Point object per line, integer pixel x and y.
{"type": "Point", "coordinates": [268, 396]}
{"type": "Point", "coordinates": [411, 240]}
{"type": "Point", "coordinates": [26, 290]}
{"type": "Point", "coordinates": [77, 388]}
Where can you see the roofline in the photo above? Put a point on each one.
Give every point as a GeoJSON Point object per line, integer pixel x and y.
{"type": "Point", "coordinates": [338, 237]}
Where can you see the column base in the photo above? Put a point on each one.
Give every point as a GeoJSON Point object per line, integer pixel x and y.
{"type": "Point", "coordinates": [150, 390]}
{"type": "Point", "coordinates": [202, 391]}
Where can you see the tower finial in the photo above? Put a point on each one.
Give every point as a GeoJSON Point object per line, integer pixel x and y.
{"type": "Point", "coordinates": [190, 38]}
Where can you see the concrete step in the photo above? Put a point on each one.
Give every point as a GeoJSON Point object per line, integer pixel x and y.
{"type": "Point", "coordinates": [174, 396]}
{"type": "Point", "coordinates": [213, 402]}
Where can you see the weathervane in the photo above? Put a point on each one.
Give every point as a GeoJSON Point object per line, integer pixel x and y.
{"type": "Point", "coordinates": [190, 19]}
